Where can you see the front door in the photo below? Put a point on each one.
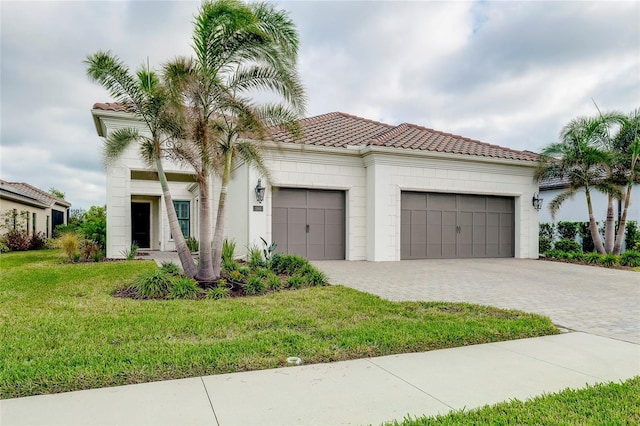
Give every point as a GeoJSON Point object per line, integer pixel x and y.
{"type": "Point", "coordinates": [141, 224]}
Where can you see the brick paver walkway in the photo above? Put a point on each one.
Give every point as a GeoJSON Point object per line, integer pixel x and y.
{"type": "Point", "coordinates": [600, 301]}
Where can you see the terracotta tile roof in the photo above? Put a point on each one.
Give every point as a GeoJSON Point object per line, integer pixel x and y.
{"type": "Point", "coordinates": [108, 106]}
{"type": "Point", "coordinates": [22, 188]}
{"type": "Point", "coordinates": [338, 129]}
{"type": "Point", "coordinates": [334, 129]}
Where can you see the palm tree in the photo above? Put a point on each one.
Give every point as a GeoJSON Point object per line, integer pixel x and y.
{"type": "Point", "coordinates": [240, 50]}
{"type": "Point", "coordinates": [143, 96]}
{"type": "Point", "coordinates": [581, 160]}
{"type": "Point", "coordinates": [626, 146]}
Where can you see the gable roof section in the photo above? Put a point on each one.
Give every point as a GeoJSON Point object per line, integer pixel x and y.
{"type": "Point", "coordinates": [338, 129]}
{"type": "Point", "coordinates": [31, 193]}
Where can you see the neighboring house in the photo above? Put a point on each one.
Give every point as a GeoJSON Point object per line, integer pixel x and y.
{"type": "Point", "coordinates": [575, 210]}
{"type": "Point", "coordinates": [35, 209]}
{"type": "Point", "coordinates": [350, 188]}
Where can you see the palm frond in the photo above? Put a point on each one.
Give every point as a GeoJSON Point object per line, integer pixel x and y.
{"type": "Point", "coordinates": [558, 200]}
{"type": "Point", "coordinates": [117, 142]}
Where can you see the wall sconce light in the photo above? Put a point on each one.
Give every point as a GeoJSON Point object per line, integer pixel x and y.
{"type": "Point", "coordinates": [536, 201]}
{"type": "Point", "coordinates": [260, 191]}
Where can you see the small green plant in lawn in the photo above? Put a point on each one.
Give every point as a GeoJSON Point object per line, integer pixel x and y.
{"type": "Point", "coordinates": [171, 269]}
{"type": "Point", "coordinates": [69, 242]}
{"type": "Point", "coordinates": [592, 258]}
{"type": "Point", "coordinates": [254, 257]}
{"type": "Point", "coordinates": [192, 244]}
{"type": "Point", "coordinates": [630, 258]}
{"type": "Point", "coordinates": [131, 252]}
{"type": "Point", "coordinates": [183, 288]}
{"type": "Point", "coordinates": [153, 285]}
{"type": "Point", "coordinates": [609, 260]}
{"type": "Point", "coordinates": [254, 285]}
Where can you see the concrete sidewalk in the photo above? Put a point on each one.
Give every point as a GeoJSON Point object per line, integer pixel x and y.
{"type": "Point", "coordinates": [365, 391]}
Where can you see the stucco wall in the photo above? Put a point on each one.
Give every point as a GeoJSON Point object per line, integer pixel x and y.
{"type": "Point", "coordinates": [388, 175]}
{"type": "Point", "coordinates": [6, 206]}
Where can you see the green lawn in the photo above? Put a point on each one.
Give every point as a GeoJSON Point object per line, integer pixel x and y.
{"type": "Point", "coordinates": [604, 404]}
{"type": "Point", "coordinates": [61, 330]}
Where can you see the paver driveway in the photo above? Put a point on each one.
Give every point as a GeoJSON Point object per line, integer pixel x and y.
{"type": "Point", "coordinates": [600, 301]}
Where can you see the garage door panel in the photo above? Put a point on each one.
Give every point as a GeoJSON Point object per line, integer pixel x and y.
{"type": "Point", "coordinates": [457, 225]}
{"type": "Point", "coordinates": [413, 201]}
{"type": "Point", "coordinates": [310, 223]}
{"type": "Point", "coordinates": [285, 197]}
{"type": "Point", "coordinates": [405, 234]}
{"type": "Point", "coordinates": [279, 228]}
{"type": "Point", "coordinates": [441, 201]}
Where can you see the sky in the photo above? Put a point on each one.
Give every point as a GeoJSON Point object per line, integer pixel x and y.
{"type": "Point", "coordinates": [507, 73]}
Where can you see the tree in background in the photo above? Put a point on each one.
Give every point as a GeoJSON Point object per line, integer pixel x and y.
{"type": "Point", "coordinates": [582, 160]}
{"type": "Point", "coordinates": [626, 148]}
{"type": "Point", "coordinates": [143, 96]}
{"type": "Point", "coordinates": [57, 193]}
{"type": "Point", "coordinates": [240, 51]}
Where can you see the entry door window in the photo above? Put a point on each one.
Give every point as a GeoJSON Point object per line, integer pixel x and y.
{"type": "Point", "coordinates": [183, 211]}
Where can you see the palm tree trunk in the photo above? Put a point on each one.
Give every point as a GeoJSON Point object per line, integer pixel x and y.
{"type": "Point", "coordinates": [219, 232]}
{"type": "Point", "coordinates": [617, 248]}
{"type": "Point", "coordinates": [593, 226]}
{"type": "Point", "coordinates": [205, 269]}
{"type": "Point", "coordinates": [609, 227]}
{"type": "Point", "coordinates": [188, 265]}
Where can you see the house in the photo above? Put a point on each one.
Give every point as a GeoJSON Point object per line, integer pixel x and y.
{"type": "Point", "coordinates": [35, 210]}
{"type": "Point", "coordinates": [350, 188]}
{"type": "Point", "coordinates": [575, 209]}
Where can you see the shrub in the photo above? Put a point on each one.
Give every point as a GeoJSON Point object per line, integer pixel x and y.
{"type": "Point", "coordinates": [544, 244]}
{"type": "Point", "coordinates": [94, 225]}
{"type": "Point", "coordinates": [171, 269]}
{"type": "Point", "coordinates": [228, 249]}
{"type": "Point", "coordinates": [184, 288]}
{"type": "Point", "coordinates": [268, 251]}
{"type": "Point", "coordinates": [295, 282]}
{"type": "Point", "coordinates": [153, 285]}
{"type": "Point", "coordinates": [60, 230]}
{"type": "Point", "coordinates": [3, 245]}
{"type": "Point", "coordinates": [312, 276]}
{"type": "Point", "coordinates": [254, 257]}
{"type": "Point", "coordinates": [229, 265]}
{"type": "Point", "coordinates": [69, 242]}
{"type": "Point", "coordinates": [567, 245]}
{"type": "Point", "coordinates": [547, 230]}
{"type": "Point", "coordinates": [632, 235]}
{"type": "Point", "coordinates": [192, 244]}
{"type": "Point", "coordinates": [50, 244]}
{"type": "Point", "coordinates": [273, 281]}
{"type": "Point", "coordinates": [568, 230]}
{"type": "Point", "coordinates": [17, 240]}
{"type": "Point", "coordinates": [585, 234]}
{"type": "Point", "coordinates": [592, 258]}
{"type": "Point", "coordinates": [609, 260]}
{"type": "Point", "coordinates": [630, 258]}
{"type": "Point", "coordinates": [254, 285]}
{"type": "Point", "coordinates": [219, 292]}
{"type": "Point", "coordinates": [576, 255]}
{"type": "Point", "coordinates": [90, 251]}
{"type": "Point", "coordinates": [37, 241]}
{"type": "Point", "coordinates": [287, 263]}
